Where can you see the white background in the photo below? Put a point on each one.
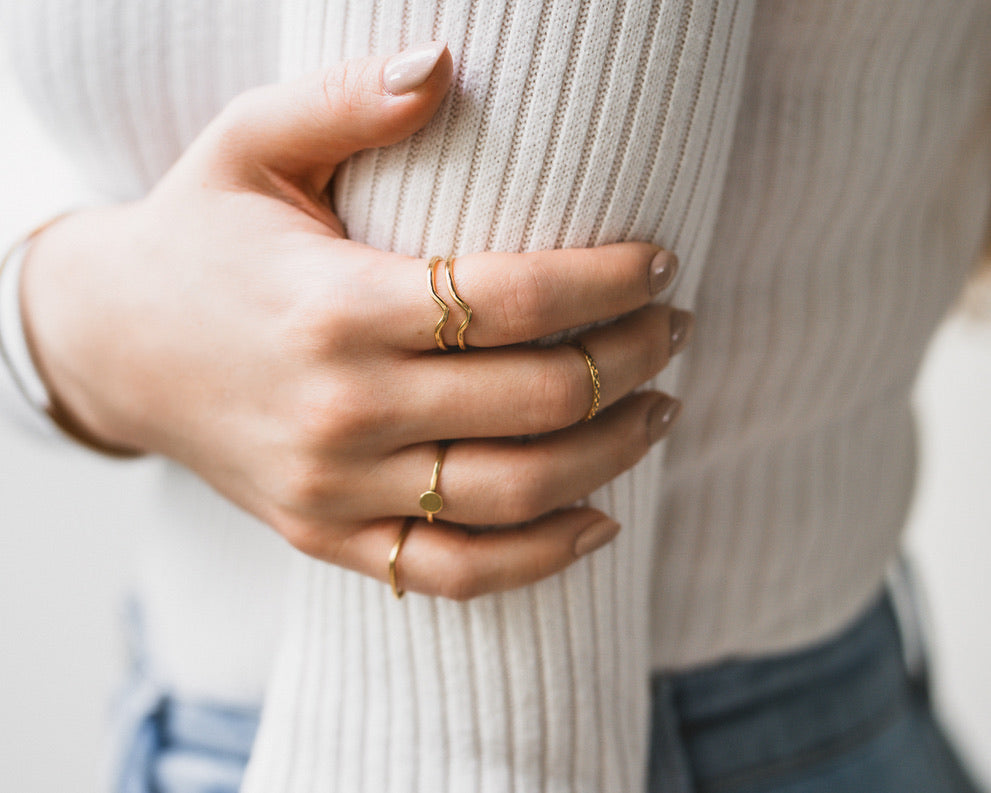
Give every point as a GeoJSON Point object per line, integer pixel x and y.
{"type": "Point", "coordinates": [66, 520]}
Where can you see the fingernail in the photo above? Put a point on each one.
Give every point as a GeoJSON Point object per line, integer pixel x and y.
{"type": "Point", "coordinates": [661, 417]}
{"type": "Point", "coordinates": [681, 324]}
{"type": "Point", "coordinates": [410, 68]}
{"type": "Point", "coordinates": [595, 536]}
{"type": "Point", "coordinates": [663, 268]}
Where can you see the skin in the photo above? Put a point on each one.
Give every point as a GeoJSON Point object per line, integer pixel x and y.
{"type": "Point", "coordinates": [226, 322]}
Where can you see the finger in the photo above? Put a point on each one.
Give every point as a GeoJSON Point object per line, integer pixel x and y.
{"type": "Point", "coordinates": [514, 297]}
{"type": "Point", "coordinates": [526, 390]}
{"type": "Point", "coordinates": [310, 125]}
{"type": "Point", "coordinates": [445, 560]}
{"type": "Point", "coordinates": [504, 481]}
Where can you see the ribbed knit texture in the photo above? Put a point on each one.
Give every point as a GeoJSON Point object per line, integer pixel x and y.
{"type": "Point", "coordinates": [856, 195]}
{"type": "Point", "coordinates": [783, 495]}
{"type": "Point", "coordinates": [822, 169]}
{"type": "Point", "coordinates": [569, 124]}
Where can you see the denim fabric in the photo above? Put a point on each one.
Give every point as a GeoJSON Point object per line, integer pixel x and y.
{"type": "Point", "coordinates": [841, 717]}
{"type": "Point", "coordinates": [188, 748]}
{"type": "Point", "coordinates": [165, 745]}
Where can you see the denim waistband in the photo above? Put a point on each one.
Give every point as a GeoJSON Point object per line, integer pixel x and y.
{"type": "Point", "coordinates": [739, 724]}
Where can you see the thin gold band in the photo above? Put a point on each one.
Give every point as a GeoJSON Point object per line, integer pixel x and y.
{"type": "Point", "coordinates": [431, 282]}
{"type": "Point", "coordinates": [394, 557]}
{"type": "Point", "coordinates": [431, 501]}
{"type": "Point", "coordinates": [593, 370]}
{"type": "Point", "coordinates": [449, 265]}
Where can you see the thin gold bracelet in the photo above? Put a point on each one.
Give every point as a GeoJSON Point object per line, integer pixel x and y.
{"type": "Point", "coordinates": [54, 410]}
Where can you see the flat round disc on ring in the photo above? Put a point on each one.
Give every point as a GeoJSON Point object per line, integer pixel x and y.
{"type": "Point", "coordinates": [431, 501]}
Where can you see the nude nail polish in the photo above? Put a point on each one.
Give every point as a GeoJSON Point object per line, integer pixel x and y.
{"type": "Point", "coordinates": [595, 536]}
{"type": "Point", "coordinates": [681, 324]}
{"type": "Point", "coordinates": [663, 268]}
{"type": "Point", "coordinates": [661, 417]}
{"type": "Point", "coordinates": [410, 69]}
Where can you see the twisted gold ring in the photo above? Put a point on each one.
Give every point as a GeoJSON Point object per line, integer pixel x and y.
{"type": "Point", "coordinates": [593, 370]}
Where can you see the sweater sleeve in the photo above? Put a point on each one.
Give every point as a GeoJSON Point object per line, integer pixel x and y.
{"type": "Point", "coordinates": [38, 184]}
{"type": "Point", "coordinates": [568, 124]}
{"type": "Point", "coordinates": [22, 392]}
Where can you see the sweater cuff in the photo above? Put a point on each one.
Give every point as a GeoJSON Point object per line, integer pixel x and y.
{"type": "Point", "coordinates": [22, 391]}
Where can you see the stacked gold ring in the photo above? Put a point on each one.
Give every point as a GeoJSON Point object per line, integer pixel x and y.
{"type": "Point", "coordinates": [432, 283]}
{"type": "Point", "coordinates": [449, 266]}
{"type": "Point", "coordinates": [445, 309]}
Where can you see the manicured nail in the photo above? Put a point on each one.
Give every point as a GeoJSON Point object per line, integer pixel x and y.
{"type": "Point", "coordinates": [681, 324]}
{"type": "Point", "coordinates": [663, 268]}
{"type": "Point", "coordinates": [661, 417]}
{"type": "Point", "coordinates": [595, 536]}
{"type": "Point", "coordinates": [410, 68]}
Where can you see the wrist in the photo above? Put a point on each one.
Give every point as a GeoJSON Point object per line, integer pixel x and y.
{"type": "Point", "coordinates": [43, 367]}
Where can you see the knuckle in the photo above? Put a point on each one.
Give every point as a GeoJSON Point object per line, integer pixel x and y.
{"type": "Point", "coordinates": [461, 582]}
{"type": "Point", "coordinates": [524, 492]}
{"type": "Point", "coordinates": [306, 541]}
{"type": "Point", "coordinates": [522, 301]}
{"type": "Point", "coordinates": [349, 87]}
{"type": "Point", "coordinates": [337, 415]}
{"type": "Point", "coordinates": [331, 315]}
{"type": "Point", "coordinates": [305, 485]}
{"type": "Point", "coordinates": [321, 329]}
{"type": "Point", "coordinates": [320, 321]}
{"type": "Point", "coordinates": [558, 394]}
{"type": "Point", "coordinates": [304, 537]}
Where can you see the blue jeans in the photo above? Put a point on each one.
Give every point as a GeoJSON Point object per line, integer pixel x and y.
{"type": "Point", "coordinates": [842, 716]}
{"type": "Point", "coordinates": [839, 717]}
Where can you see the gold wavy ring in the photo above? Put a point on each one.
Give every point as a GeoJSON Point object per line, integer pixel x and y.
{"type": "Point", "coordinates": [449, 265]}
{"type": "Point", "coordinates": [431, 501]}
{"type": "Point", "coordinates": [394, 557]}
{"type": "Point", "coordinates": [431, 282]}
{"type": "Point", "coordinates": [593, 370]}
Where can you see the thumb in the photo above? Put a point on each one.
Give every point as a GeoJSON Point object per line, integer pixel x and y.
{"type": "Point", "coordinates": [307, 127]}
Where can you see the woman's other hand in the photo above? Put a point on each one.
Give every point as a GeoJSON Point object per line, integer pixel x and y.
{"type": "Point", "coordinates": [227, 322]}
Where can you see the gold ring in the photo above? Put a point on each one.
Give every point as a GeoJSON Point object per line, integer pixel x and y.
{"type": "Point", "coordinates": [594, 371]}
{"type": "Point", "coordinates": [449, 265]}
{"type": "Point", "coordinates": [431, 501]}
{"type": "Point", "coordinates": [431, 282]}
{"type": "Point", "coordinates": [394, 556]}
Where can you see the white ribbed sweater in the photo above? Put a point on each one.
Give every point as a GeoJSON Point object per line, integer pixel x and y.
{"type": "Point", "coordinates": [822, 170]}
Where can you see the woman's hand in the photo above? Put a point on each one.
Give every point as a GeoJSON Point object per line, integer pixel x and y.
{"type": "Point", "coordinates": [227, 322]}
